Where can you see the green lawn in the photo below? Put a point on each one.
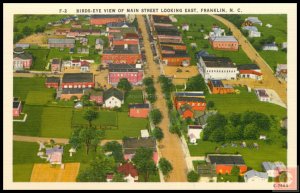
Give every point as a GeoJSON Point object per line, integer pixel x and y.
{"type": "Point", "coordinates": [278, 30]}
{"type": "Point", "coordinates": [56, 122]}
{"type": "Point", "coordinates": [134, 96]}
{"type": "Point", "coordinates": [244, 101]}
{"type": "Point", "coordinates": [104, 119]}
{"type": "Point", "coordinates": [24, 156]}
{"type": "Point", "coordinates": [39, 58]}
{"type": "Point", "coordinates": [32, 126]}
{"type": "Point", "coordinates": [39, 97]}
{"type": "Point", "coordinates": [22, 86]}
{"type": "Point", "coordinates": [195, 22]}
{"type": "Point", "coordinates": [252, 157]}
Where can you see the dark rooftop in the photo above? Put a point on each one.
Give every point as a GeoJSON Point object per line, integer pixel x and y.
{"type": "Point", "coordinates": [262, 93]}
{"type": "Point", "coordinates": [120, 49]}
{"type": "Point", "coordinates": [113, 92]}
{"type": "Point", "coordinates": [78, 77]}
{"type": "Point", "coordinates": [226, 159]}
{"type": "Point", "coordinates": [177, 54]}
{"type": "Point", "coordinates": [52, 80]}
{"type": "Point", "coordinates": [223, 62]}
{"type": "Point", "coordinates": [16, 104]}
{"type": "Point", "coordinates": [195, 99]}
{"type": "Point", "coordinates": [139, 106]}
{"type": "Point", "coordinates": [207, 170]}
{"type": "Point", "coordinates": [73, 90]}
{"type": "Point", "coordinates": [131, 144]}
{"type": "Point", "coordinates": [217, 83]}
{"type": "Point", "coordinates": [248, 67]}
{"type": "Point", "coordinates": [190, 94]}
{"type": "Point", "coordinates": [123, 68]}
{"type": "Point", "coordinates": [161, 19]}
{"type": "Point", "coordinates": [169, 31]}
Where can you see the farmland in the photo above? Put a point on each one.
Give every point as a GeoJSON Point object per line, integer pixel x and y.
{"type": "Point", "coordinates": [205, 22]}
{"type": "Point", "coordinates": [39, 97]}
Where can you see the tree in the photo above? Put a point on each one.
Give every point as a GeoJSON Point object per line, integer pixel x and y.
{"type": "Point", "coordinates": [217, 135]}
{"type": "Point", "coordinates": [75, 139]}
{"type": "Point", "coordinates": [156, 116]}
{"type": "Point", "coordinates": [196, 83]}
{"type": "Point", "coordinates": [233, 133]}
{"type": "Point", "coordinates": [192, 176]}
{"type": "Point", "coordinates": [148, 81]}
{"type": "Point", "coordinates": [151, 98]}
{"type": "Point", "coordinates": [150, 89]}
{"type": "Point", "coordinates": [158, 133]}
{"type": "Point", "coordinates": [98, 135]}
{"type": "Point", "coordinates": [97, 170]}
{"type": "Point", "coordinates": [251, 131]}
{"type": "Point", "coordinates": [118, 178]}
{"type": "Point", "coordinates": [235, 171]}
{"type": "Point", "coordinates": [116, 149]}
{"type": "Point", "coordinates": [175, 129]}
{"type": "Point", "coordinates": [144, 162]}
{"type": "Point", "coordinates": [73, 98]}
{"type": "Point", "coordinates": [210, 105]}
{"type": "Point", "coordinates": [90, 115]}
{"type": "Point", "coordinates": [165, 166]}
{"type": "Point", "coordinates": [87, 135]}
{"type": "Point", "coordinates": [27, 31]}
{"type": "Point", "coordinates": [235, 119]}
{"type": "Point", "coordinates": [124, 85]}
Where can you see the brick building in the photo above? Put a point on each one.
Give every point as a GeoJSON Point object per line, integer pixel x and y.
{"type": "Point", "coordinates": [167, 34]}
{"type": "Point", "coordinates": [96, 96]}
{"type": "Point", "coordinates": [78, 80]}
{"type": "Point", "coordinates": [56, 65]}
{"type": "Point", "coordinates": [226, 43]}
{"type": "Point", "coordinates": [105, 19]}
{"type": "Point", "coordinates": [22, 60]}
{"type": "Point", "coordinates": [217, 87]}
{"type": "Point", "coordinates": [133, 74]}
{"type": "Point", "coordinates": [175, 58]}
{"type": "Point", "coordinates": [119, 54]}
{"type": "Point", "coordinates": [139, 110]}
{"type": "Point", "coordinates": [52, 82]}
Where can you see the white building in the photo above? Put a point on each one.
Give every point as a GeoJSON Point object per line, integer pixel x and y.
{"type": "Point", "coordinates": [250, 71]}
{"type": "Point", "coordinates": [254, 20]}
{"type": "Point", "coordinates": [272, 47]}
{"type": "Point", "coordinates": [217, 32]}
{"type": "Point", "coordinates": [262, 95]}
{"type": "Point", "coordinates": [113, 98]}
{"type": "Point", "coordinates": [252, 30]}
{"type": "Point", "coordinates": [220, 68]}
{"type": "Point", "coordinates": [194, 132]}
{"type": "Point", "coordinates": [273, 169]}
{"type": "Point", "coordinates": [185, 27]}
{"type": "Point", "coordinates": [255, 176]}
{"type": "Point", "coordinates": [144, 133]}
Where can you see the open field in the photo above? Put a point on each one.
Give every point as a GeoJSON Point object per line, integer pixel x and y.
{"type": "Point", "coordinates": [39, 97]}
{"type": "Point", "coordinates": [104, 119]}
{"type": "Point", "coordinates": [253, 157]}
{"type": "Point", "coordinates": [133, 96]}
{"type": "Point", "coordinates": [196, 22]}
{"type": "Point", "coordinates": [244, 101]}
{"type": "Point", "coordinates": [46, 173]}
{"type": "Point", "coordinates": [180, 74]}
{"type": "Point", "coordinates": [56, 122]}
{"type": "Point", "coordinates": [22, 86]}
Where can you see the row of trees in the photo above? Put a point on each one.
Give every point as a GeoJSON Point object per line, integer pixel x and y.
{"type": "Point", "coordinates": [233, 18]}
{"type": "Point", "coordinates": [150, 90]}
{"type": "Point", "coordinates": [236, 126]}
{"type": "Point", "coordinates": [26, 31]}
{"type": "Point", "coordinates": [258, 44]}
{"type": "Point", "coordinates": [196, 83]}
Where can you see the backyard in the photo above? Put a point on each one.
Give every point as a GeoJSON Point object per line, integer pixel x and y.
{"type": "Point", "coordinates": [40, 58]}
{"type": "Point", "coordinates": [133, 96]}
{"type": "Point", "coordinates": [205, 22]}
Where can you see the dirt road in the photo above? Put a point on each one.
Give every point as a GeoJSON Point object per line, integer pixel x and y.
{"type": "Point", "coordinates": [170, 147]}
{"type": "Point", "coordinates": [269, 80]}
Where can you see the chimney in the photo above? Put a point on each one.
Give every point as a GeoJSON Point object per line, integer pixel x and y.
{"type": "Point", "coordinates": [125, 46]}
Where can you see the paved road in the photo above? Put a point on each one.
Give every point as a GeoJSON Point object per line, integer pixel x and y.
{"type": "Point", "coordinates": [46, 139]}
{"type": "Point", "coordinates": [170, 147]}
{"type": "Point", "coordinates": [269, 80]}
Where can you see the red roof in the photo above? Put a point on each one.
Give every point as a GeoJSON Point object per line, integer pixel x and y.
{"type": "Point", "coordinates": [250, 72]}
{"type": "Point", "coordinates": [127, 169]}
{"type": "Point", "coordinates": [131, 36]}
{"type": "Point", "coordinates": [110, 176]}
{"type": "Point", "coordinates": [85, 63]}
{"type": "Point", "coordinates": [75, 61]}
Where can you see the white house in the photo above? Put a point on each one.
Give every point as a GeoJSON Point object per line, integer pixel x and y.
{"type": "Point", "coordinates": [262, 95]}
{"type": "Point", "coordinates": [262, 137]}
{"type": "Point", "coordinates": [250, 71]}
{"type": "Point", "coordinates": [113, 98]}
{"type": "Point", "coordinates": [252, 30]}
{"type": "Point", "coordinates": [272, 47]}
{"type": "Point", "coordinates": [273, 169]}
{"type": "Point", "coordinates": [144, 133]}
{"type": "Point", "coordinates": [220, 68]}
{"type": "Point", "coordinates": [255, 176]}
{"type": "Point", "coordinates": [254, 20]}
{"type": "Point", "coordinates": [194, 132]}
{"type": "Point", "coordinates": [185, 27]}
{"type": "Point", "coordinates": [217, 32]}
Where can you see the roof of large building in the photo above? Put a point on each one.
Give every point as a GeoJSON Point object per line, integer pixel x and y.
{"type": "Point", "coordinates": [207, 170]}
{"type": "Point", "coordinates": [120, 49]}
{"type": "Point", "coordinates": [217, 83]}
{"type": "Point", "coordinates": [73, 90]}
{"type": "Point", "coordinates": [107, 16]}
{"type": "Point", "coordinates": [254, 173]}
{"type": "Point", "coordinates": [248, 67]}
{"type": "Point", "coordinates": [78, 77]}
{"type": "Point", "coordinates": [224, 39]}
{"type": "Point", "coordinates": [128, 168]}
{"type": "Point", "coordinates": [123, 68]}
{"type": "Point", "coordinates": [52, 80]}
{"type": "Point", "coordinates": [113, 92]}
{"type": "Point", "coordinates": [177, 54]}
{"type": "Point", "coordinates": [60, 41]}
{"type": "Point", "coordinates": [117, 24]}
{"type": "Point", "coordinates": [131, 144]}
{"type": "Point", "coordinates": [139, 106]}
{"type": "Point", "coordinates": [217, 62]}
{"type": "Point", "coordinates": [161, 19]}
{"type": "Point", "coordinates": [24, 56]}
{"type": "Point", "coordinates": [192, 99]}
{"type": "Point", "coordinates": [226, 159]}
{"type": "Point", "coordinates": [190, 94]}
{"type": "Point", "coordinates": [169, 31]}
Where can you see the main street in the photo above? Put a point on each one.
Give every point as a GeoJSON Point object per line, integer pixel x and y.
{"type": "Point", "coordinates": [269, 80]}
{"type": "Point", "coordinates": [170, 147]}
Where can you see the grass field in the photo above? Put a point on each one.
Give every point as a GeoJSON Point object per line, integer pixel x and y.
{"type": "Point", "coordinates": [39, 58]}
{"type": "Point", "coordinates": [24, 156]}
{"type": "Point", "coordinates": [22, 86]}
{"type": "Point", "coordinates": [278, 30]}
{"type": "Point", "coordinates": [56, 122]}
{"type": "Point", "coordinates": [39, 97]}
{"type": "Point", "coordinates": [243, 102]}
{"type": "Point", "coordinates": [134, 96]}
{"type": "Point", "coordinates": [252, 157]}
{"type": "Point", "coordinates": [32, 126]}
{"type": "Point", "coordinates": [104, 118]}
{"type": "Point", "coordinates": [195, 22]}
